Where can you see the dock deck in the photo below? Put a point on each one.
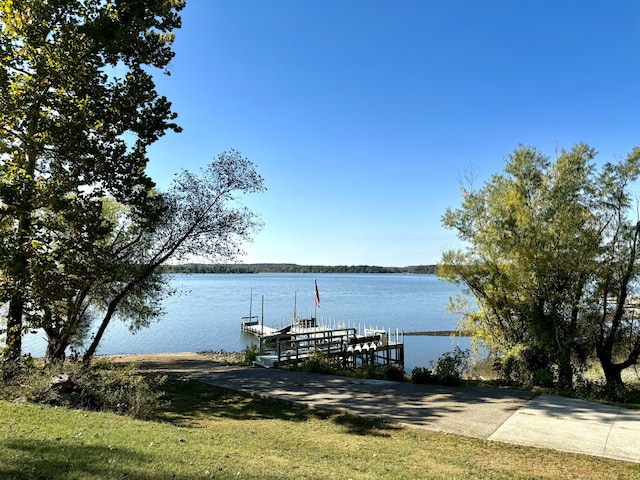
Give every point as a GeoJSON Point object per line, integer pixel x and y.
{"type": "Point", "coordinates": [258, 330]}
{"type": "Point", "coordinates": [342, 345]}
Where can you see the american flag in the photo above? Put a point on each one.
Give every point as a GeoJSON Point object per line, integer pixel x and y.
{"type": "Point", "coordinates": [316, 295]}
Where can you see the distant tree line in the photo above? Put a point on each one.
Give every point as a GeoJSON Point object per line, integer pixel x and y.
{"type": "Point", "coordinates": [292, 268]}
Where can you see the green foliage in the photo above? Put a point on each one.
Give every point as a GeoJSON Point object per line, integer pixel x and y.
{"type": "Point", "coordinates": [103, 388]}
{"type": "Point", "coordinates": [525, 366]}
{"type": "Point", "coordinates": [391, 373]}
{"type": "Point", "coordinates": [9, 371]}
{"type": "Point", "coordinates": [449, 369]}
{"type": "Point", "coordinates": [451, 366]}
{"type": "Point", "coordinates": [423, 375]}
{"type": "Point", "coordinates": [620, 394]}
{"type": "Point", "coordinates": [318, 363]}
{"type": "Point", "coordinates": [201, 217]}
{"type": "Point", "coordinates": [551, 259]}
{"type": "Point", "coordinates": [78, 109]}
{"type": "Point", "coordinates": [321, 364]}
{"type": "Point", "coordinates": [120, 390]}
{"type": "Point", "coordinates": [251, 353]}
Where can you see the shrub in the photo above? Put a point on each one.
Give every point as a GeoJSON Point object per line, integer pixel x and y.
{"type": "Point", "coordinates": [12, 385]}
{"type": "Point", "coordinates": [380, 372]}
{"type": "Point", "coordinates": [251, 353]}
{"type": "Point", "coordinates": [451, 366]}
{"type": "Point", "coordinates": [318, 363]}
{"type": "Point", "coordinates": [393, 373]}
{"type": "Point", "coordinates": [525, 366]}
{"type": "Point", "coordinates": [120, 390]}
{"type": "Point", "coordinates": [102, 387]}
{"type": "Point", "coordinates": [449, 369]}
{"type": "Point", "coordinates": [422, 375]}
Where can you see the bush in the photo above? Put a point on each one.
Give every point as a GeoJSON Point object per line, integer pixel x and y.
{"type": "Point", "coordinates": [251, 353]}
{"type": "Point", "coordinates": [318, 363]}
{"type": "Point", "coordinates": [449, 370]}
{"type": "Point", "coordinates": [525, 366]}
{"type": "Point", "coordinates": [380, 372]}
{"type": "Point", "coordinates": [393, 373]}
{"type": "Point", "coordinates": [103, 387]}
{"type": "Point", "coordinates": [451, 366]}
{"type": "Point", "coordinates": [120, 390]}
{"type": "Point", "coordinates": [423, 375]}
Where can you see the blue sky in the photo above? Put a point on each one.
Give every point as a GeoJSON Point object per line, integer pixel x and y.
{"type": "Point", "coordinates": [362, 115]}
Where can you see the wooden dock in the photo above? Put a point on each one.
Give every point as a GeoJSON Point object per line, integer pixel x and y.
{"type": "Point", "coordinates": [342, 345]}
{"type": "Point", "coordinates": [258, 330]}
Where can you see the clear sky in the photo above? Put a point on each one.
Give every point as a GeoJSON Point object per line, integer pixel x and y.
{"type": "Point", "coordinates": [362, 115]}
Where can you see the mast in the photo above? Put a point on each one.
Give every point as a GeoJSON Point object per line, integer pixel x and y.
{"type": "Point", "coordinates": [295, 306]}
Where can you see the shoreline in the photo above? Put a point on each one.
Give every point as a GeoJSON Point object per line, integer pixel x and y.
{"type": "Point", "coordinates": [221, 356]}
{"type": "Point", "coordinates": [437, 333]}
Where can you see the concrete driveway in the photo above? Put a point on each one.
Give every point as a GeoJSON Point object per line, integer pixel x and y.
{"type": "Point", "coordinates": [510, 416]}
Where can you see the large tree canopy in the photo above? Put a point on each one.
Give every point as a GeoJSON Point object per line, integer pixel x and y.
{"type": "Point", "coordinates": [78, 109]}
{"type": "Point", "coordinates": [200, 218]}
{"type": "Point", "coordinates": [551, 258]}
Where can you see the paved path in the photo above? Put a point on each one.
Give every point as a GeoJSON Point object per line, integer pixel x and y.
{"type": "Point", "coordinates": [510, 416]}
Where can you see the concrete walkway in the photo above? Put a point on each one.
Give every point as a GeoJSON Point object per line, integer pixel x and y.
{"type": "Point", "coordinates": [510, 416]}
{"type": "Point", "coordinates": [571, 425]}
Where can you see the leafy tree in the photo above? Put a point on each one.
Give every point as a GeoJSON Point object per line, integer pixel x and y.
{"type": "Point", "coordinates": [613, 306]}
{"type": "Point", "coordinates": [65, 310]}
{"type": "Point", "coordinates": [549, 246]}
{"type": "Point", "coordinates": [78, 109]}
{"type": "Point", "coordinates": [200, 218]}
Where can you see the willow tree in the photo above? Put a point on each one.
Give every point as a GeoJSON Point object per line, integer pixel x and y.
{"type": "Point", "coordinates": [615, 305]}
{"type": "Point", "coordinates": [78, 109]}
{"type": "Point", "coordinates": [551, 257]}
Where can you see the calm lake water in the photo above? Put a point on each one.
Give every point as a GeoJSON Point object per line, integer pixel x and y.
{"type": "Point", "coordinates": [206, 313]}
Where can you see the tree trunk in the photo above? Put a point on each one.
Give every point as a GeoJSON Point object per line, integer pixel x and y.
{"type": "Point", "coordinates": [565, 373]}
{"type": "Point", "coordinates": [59, 334]}
{"type": "Point", "coordinates": [56, 349]}
{"type": "Point", "coordinates": [13, 349]}
{"type": "Point", "coordinates": [613, 371]}
{"type": "Point", "coordinates": [612, 374]}
{"type": "Point", "coordinates": [88, 355]}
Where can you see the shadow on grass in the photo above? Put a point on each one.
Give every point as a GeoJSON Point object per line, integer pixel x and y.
{"type": "Point", "coordinates": [41, 459]}
{"type": "Point", "coordinates": [364, 426]}
{"type": "Point", "coordinates": [189, 401]}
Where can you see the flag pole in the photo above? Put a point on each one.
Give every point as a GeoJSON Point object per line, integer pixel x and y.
{"type": "Point", "coordinates": [316, 299]}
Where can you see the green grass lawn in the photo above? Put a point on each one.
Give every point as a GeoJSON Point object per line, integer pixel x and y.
{"type": "Point", "coordinates": [207, 432]}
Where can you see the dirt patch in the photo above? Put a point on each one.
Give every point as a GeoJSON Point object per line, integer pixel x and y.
{"type": "Point", "coordinates": [168, 361]}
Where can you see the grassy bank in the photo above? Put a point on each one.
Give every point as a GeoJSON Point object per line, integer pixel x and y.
{"type": "Point", "coordinates": [206, 432]}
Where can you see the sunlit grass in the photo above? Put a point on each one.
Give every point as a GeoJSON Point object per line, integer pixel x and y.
{"type": "Point", "coordinates": [208, 432]}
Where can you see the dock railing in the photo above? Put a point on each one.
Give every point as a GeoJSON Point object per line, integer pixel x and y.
{"type": "Point", "coordinates": [342, 347]}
